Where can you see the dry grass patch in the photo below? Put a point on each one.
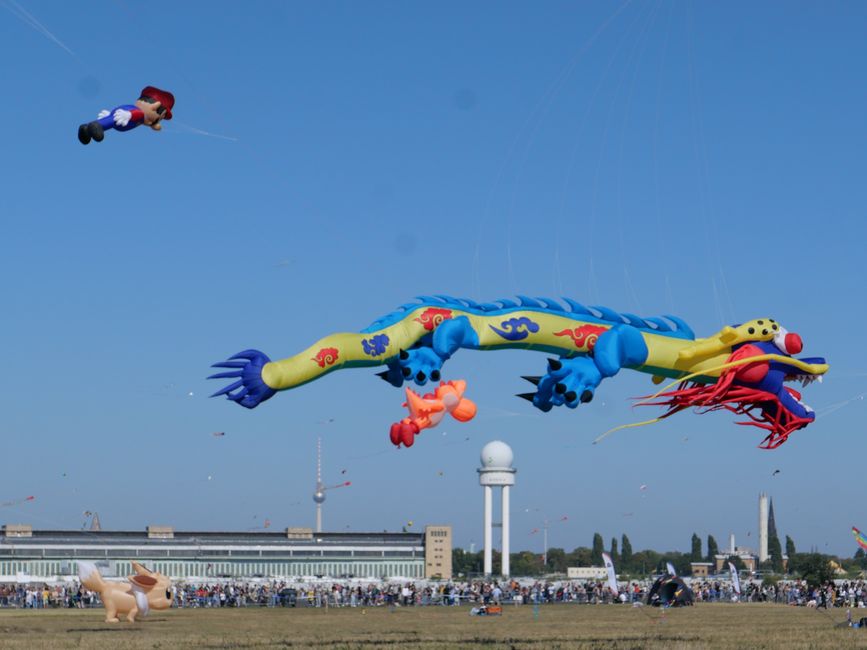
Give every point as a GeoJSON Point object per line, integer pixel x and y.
{"type": "Point", "coordinates": [434, 628]}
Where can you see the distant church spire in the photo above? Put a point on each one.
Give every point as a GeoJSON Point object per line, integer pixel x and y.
{"type": "Point", "coordinates": [772, 525]}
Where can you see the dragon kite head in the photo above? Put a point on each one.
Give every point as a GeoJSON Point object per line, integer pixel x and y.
{"type": "Point", "coordinates": [753, 379]}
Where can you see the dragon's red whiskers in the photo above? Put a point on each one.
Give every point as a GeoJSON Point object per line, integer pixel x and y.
{"type": "Point", "coordinates": [763, 409]}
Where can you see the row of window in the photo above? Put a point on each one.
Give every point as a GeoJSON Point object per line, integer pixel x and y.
{"type": "Point", "coordinates": [48, 569]}
{"type": "Point", "coordinates": [194, 553]}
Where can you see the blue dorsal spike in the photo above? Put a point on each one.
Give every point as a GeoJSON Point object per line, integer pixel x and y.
{"type": "Point", "coordinates": [470, 303]}
{"type": "Point", "coordinates": [661, 325]}
{"type": "Point", "coordinates": [430, 300]}
{"type": "Point", "coordinates": [450, 299]}
{"type": "Point", "coordinates": [407, 306]}
{"type": "Point", "coordinates": [576, 307]}
{"type": "Point", "coordinates": [632, 319]}
{"type": "Point", "coordinates": [489, 306]}
{"type": "Point", "coordinates": [505, 303]}
{"type": "Point", "coordinates": [608, 314]}
{"type": "Point", "coordinates": [553, 305]}
{"type": "Point", "coordinates": [681, 325]}
{"type": "Point", "coordinates": [526, 301]}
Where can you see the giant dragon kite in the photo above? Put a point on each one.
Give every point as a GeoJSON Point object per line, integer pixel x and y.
{"type": "Point", "coordinates": [741, 368]}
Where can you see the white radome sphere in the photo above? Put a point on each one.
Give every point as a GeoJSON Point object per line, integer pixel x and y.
{"type": "Point", "coordinates": [497, 454]}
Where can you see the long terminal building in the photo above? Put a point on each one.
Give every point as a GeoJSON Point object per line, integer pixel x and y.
{"type": "Point", "coordinates": [294, 553]}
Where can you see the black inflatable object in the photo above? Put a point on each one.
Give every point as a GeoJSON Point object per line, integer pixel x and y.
{"type": "Point", "coordinates": [670, 591]}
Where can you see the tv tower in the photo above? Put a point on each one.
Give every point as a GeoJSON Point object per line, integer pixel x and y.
{"type": "Point", "coordinates": [319, 493]}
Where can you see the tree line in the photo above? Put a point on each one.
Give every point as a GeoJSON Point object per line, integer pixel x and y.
{"type": "Point", "coordinates": [813, 566]}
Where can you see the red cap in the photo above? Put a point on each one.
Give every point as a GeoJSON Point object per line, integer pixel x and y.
{"type": "Point", "coordinates": [165, 98]}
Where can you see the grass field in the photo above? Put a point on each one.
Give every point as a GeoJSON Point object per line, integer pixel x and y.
{"type": "Point", "coordinates": [432, 628]}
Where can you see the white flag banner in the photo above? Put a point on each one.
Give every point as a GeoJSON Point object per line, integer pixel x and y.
{"type": "Point", "coordinates": [735, 580]}
{"type": "Point", "coordinates": [670, 567]}
{"type": "Point", "coordinates": [612, 577]}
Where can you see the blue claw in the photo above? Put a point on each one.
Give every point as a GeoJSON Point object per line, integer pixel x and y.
{"type": "Point", "coordinates": [250, 355]}
{"type": "Point", "coordinates": [237, 397]}
{"type": "Point", "coordinates": [249, 402]}
{"type": "Point", "coordinates": [229, 388]}
{"type": "Point", "coordinates": [568, 382]}
{"type": "Point", "coordinates": [227, 375]}
{"type": "Point", "coordinates": [417, 364]}
{"type": "Point", "coordinates": [253, 390]}
{"type": "Point", "coordinates": [394, 374]}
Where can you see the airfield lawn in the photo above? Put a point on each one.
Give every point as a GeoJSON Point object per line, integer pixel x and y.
{"type": "Point", "coordinates": [432, 628]}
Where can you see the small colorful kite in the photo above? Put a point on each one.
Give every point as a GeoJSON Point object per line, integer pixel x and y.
{"type": "Point", "coordinates": [15, 502]}
{"type": "Point", "coordinates": [859, 537]}
{"type": "Point", "coordinates": [426, 412]}
{"type": "Point", "coordinates": [150, 109]}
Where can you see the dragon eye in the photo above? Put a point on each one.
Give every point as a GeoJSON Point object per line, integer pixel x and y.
{"type": "Point", "coordinates": [752, 330]}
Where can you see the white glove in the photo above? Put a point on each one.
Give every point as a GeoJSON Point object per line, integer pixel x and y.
{"type": "Point", "coordinates": [122, 117]}
{"type": "Point", "coordinates": [103, 113]}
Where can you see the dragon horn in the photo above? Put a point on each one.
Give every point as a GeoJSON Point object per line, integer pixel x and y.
{"type": "Point", "coordinates": [527, 396]}
{"type": "Point", "coordinates": [719, 342]}
{"type": "Point", "coordinates": [532, 380]}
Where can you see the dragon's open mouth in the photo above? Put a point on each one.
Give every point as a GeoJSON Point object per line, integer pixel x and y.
{"type": "Point", "coordinates": [805, 380]}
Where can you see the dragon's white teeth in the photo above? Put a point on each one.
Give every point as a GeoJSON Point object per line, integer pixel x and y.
{"type": "Point", "coordinates": [820, 379]}
{"type": "Point", "coordinates": [807, 407]}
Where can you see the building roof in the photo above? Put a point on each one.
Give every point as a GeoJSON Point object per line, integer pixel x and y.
{"type": "Point", "coordinates": [210, 538]}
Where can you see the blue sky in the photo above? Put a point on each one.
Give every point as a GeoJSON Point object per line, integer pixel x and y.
{"type": "Point", "coordinates": [329, 161]}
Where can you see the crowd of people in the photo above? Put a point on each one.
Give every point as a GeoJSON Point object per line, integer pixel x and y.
{"type": "Point", "coordinates": [391, 594]}
{"type": "Point", "coordinates": [43, 596]}
{"type": "Point", "coordinates": [418, 594]}
{"type": "Point", "coordinates": [832, 594]}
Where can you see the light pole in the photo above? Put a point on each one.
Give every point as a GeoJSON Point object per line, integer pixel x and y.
{"type": "Point", "coordinates": [545, 524]}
